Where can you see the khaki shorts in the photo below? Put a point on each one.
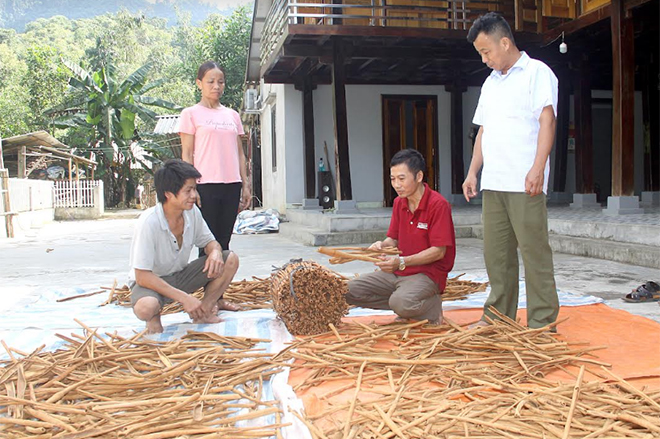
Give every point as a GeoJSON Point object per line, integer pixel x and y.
{"type": "Point", "coordinates": [188, 280]}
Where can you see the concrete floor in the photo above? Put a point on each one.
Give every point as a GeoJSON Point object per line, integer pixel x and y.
{"type": "Point", "coordinates": [90, 254]}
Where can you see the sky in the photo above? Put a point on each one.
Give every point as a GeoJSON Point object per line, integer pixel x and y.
{"type": "Point", "coordinates": [220, 4]}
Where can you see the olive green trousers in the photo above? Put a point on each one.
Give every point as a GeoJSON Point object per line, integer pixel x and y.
{"type": "Point", "coordinates": [515, 220]}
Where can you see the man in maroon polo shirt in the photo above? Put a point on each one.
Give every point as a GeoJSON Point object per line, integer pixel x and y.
{"type": "Point", "coordinates": [421, 227]}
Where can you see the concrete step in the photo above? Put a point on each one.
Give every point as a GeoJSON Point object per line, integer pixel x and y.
{"type": "Point", "coordinates": [464, 231]}
{"type": "Point", "coordinates": [317, 237]}
{"type": "Point", "coordinates": [635, 254]}
{"type": "Point", "coordinates": [645, 234]}
{"type": "Point", "coordinates": [465, 219]}
{"type": "Point", "coordinates": [369, 219]}
{"type": "Point", "coordinates": [629, 253]}
{"type": "Point", "coordinates": [332, 222]}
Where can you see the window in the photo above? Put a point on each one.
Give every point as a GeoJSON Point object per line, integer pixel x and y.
{"type": "Point", "coordinates": [273, 136]}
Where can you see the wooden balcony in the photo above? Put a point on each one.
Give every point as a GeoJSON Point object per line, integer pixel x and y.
{"type": "Point", "coordinates": [296, 33]}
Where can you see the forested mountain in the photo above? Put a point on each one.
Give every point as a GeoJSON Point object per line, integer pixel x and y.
{"type": "Point", "coordinates": [97, 83]}
{"type": "Point", "coordinates": [17, 13]}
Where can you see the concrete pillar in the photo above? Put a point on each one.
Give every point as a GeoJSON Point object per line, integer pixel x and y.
{"type": "Point", "coordinates": [560, 197]}
{"type": "Point", "coordinates": [311, 204]}
{"type": "Point", "coordinates": [585, 201]}
{"type": "Point", "coordinates": [99, 199]}
{"type": "Point", "coordinates": [623, 205]}
{"type": "Point", "coordinates": [346, 206]}
{"type": "Point", "coordinates": [650, 199]}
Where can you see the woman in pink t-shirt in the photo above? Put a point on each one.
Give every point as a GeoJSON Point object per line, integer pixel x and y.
{"type": "Point", "coordinates": [210, 140]}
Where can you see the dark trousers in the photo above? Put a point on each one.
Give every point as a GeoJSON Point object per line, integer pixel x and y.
{"type": "Point", "coordinates": [220, 208]}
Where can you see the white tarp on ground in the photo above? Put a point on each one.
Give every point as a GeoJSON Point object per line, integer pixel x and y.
{"type": "Point", "coordinates": [32, 324]}
{"type": "Point", "coordinates": [262, 221]}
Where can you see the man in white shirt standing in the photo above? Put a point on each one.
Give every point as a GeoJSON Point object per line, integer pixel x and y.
{"type": "Point", "coordinates": [162, 242]}
{"type": "Point", "coordinates": [516, 114]}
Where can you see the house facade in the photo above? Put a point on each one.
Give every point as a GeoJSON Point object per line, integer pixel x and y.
{"type": "Point", "coordinates": [352, 82]}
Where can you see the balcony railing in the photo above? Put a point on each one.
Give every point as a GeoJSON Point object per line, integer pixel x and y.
{"type": "Point", "coordinates": [431, 14]}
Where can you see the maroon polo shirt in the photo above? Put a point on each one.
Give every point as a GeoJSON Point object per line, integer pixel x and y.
{"type": "Point", "coordinates": [430, 226]}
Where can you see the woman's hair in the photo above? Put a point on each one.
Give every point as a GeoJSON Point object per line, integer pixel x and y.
{"type": "Point", "coordinates": [208, 65]}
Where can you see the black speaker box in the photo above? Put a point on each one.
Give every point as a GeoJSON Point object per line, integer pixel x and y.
{"type": "Point", "coordinates": [326, 190]}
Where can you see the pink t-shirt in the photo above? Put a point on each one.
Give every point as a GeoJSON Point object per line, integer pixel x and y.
{"type": "Point", "coordinates": [215, 153]}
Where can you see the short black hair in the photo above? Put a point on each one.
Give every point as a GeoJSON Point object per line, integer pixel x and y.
{"type": "Point", "coordinates": [491, 23]}
{"type": "Point", "coordinates": [412, 158]}
{"type": "Point", "coordinates": [172, 176]}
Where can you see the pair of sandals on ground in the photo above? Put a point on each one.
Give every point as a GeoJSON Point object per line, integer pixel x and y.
{"type": "Point", "coordinates": [648, 292]}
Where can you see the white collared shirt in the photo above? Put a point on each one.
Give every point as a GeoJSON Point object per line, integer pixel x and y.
{"type": "Point", "coordinates": [155, 247]}
{"type": "Point", "coordinates": [509, 109]}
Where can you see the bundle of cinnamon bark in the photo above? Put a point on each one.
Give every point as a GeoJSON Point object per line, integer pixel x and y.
{"type": "Point", "coordinates": [308, 297]}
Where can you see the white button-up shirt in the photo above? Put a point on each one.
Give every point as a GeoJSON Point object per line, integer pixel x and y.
{"type": "Point", "coordinates": [155, 248]}
{"type": "Point", "coordinates": [508, 110]}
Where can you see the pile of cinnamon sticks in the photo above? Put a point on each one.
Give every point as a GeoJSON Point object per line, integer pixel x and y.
{"type": "Point", "coordinates": [203, 385]}
{"type": "Point", "coordinates": [248, 294]}
{"type": "Point", "coordinates": [412, 381]}
{"type": "Point", "coordinates": [255, 293]}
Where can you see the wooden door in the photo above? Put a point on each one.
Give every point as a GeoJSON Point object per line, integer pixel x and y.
{"type": "Point", "coordinates": [409, 122]}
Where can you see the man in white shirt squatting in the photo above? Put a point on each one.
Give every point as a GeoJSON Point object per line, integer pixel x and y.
{"type": "Point", "coordinates": [516, 114]}
{"type": "Point", "coordinates": [162, 242]}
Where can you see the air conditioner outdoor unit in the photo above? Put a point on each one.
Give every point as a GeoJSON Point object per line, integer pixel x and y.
{"type": "Point", "coordinates": [251, 98]}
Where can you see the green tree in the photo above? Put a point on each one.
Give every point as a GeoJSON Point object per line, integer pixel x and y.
{"type": "Point", "coordinates": [107, 111]}
{"type": "Point", "coordinates": [226, 41]}
{"type": "Point", "coordinates": [46, 80]}
{"type": "Point", "coordinates": [15, 112]}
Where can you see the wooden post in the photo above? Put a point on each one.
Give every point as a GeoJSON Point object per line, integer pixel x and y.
{"type": "Point", "coordinates": [584, 164]}
{"type": "Point", "coordinates": [308, 138]}
{"type": "Point", "coordinates": [539, 16]}
{"type": "Point", "coordinates": [623, 105]}
{"type": "Point", "coordinates": [337, 11]}
{"type": "Point", "coordinates": [563, 121]}
{"type": "Point", "coordinates": [650, 116]}
{"type": "Point", "coordinates": [456, 122]}
{"type": "Point", "coordinates": [2, 160]}
{"type": "Point", "coordinates": [9, 216]}
{"type": "Point", "coordinates": [78, 188]}
{"type": "Point", "coordinates": [70, 177]}
{"type": "Point", "coordinates": [22, 165]}
{"type": "Point", "coordinates": [344, 190]}
{"type": "Point", "coordinates": [518, 12]}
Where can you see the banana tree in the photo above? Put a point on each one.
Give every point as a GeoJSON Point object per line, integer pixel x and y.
{"type": "Point", "coordinates": [108, 110]}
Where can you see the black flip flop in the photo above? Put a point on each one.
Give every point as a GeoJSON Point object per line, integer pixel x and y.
{"type": "Point", "coordinates": [648, 292]}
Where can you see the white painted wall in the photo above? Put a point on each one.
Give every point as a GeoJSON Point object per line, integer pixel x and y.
{"type": "Point", "coordinates": [365, 130]}
{"type": "Point", "coordinates": [293, 145]}
{"type": "Point", "coordinates": [32, 201]}
{"type": "Point", "coordinates": [285, 187]}
{"type": "Point", "coordinates": [273, 181]}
